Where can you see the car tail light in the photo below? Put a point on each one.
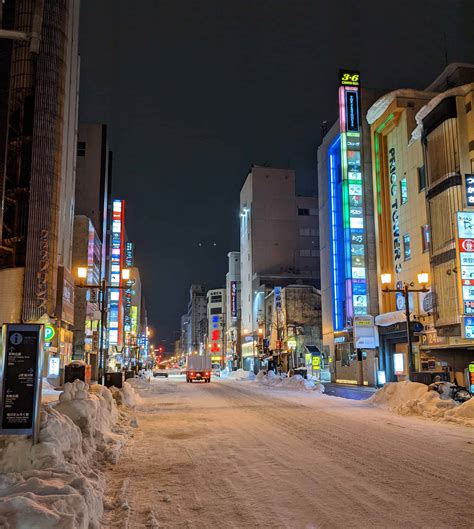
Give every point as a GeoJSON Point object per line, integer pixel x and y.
{"type": "Point", "coordinates": [207, 373]}
{"type": "Point", "coordinates": [192, 373]}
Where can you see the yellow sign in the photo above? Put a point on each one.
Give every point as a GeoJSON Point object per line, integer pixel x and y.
{"type": "Point", "coordinates": [471, 368]}
{"type": "Point", "coordinates": [316, 362]}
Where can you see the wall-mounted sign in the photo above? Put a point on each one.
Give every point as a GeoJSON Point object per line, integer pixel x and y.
{"type": "Point", "coordinates": [465, 252]}
{"type": "Point", "coordinates": [129, 254]}
{"type": "Point", "coordinates": [49, 333]}
{"type": "Point", "coordinates": [349, 78]}
{"type": "Point", "coordinates": [54, 364]}
{"type": "Point", "coordinates": [316, 362]}
{"type": "Point", "coordinates": [233, 300]}
{"type": "Point", "coordinates": [21, 365]}
{"type": "Point", "coordinates": [352, 194]}
{"type": "Point", "coordinates": [469, 189]}
{"type": "Point", "coordinates": [365, 332]}
{"type": "Point", "coordinates": [116, 261]}
{"type": "Point", "coordinates": [277, 292]}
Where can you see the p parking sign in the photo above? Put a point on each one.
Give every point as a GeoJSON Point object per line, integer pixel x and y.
{"type": "Point", "coordinates": [49, 333]}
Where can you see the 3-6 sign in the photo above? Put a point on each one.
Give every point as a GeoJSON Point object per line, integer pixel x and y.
{"type": "Point", "coordinates": [349, 78]}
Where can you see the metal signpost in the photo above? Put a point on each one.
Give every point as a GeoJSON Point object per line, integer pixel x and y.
{"type": "Point", "coordinates": [21, 366]}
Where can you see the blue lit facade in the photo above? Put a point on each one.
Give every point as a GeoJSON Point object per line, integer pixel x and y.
{"type": "Point", "coordinates": [336, 234]}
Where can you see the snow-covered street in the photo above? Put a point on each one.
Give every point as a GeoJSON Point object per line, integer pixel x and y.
{"type": "Point", "coordinates": [235, 454]}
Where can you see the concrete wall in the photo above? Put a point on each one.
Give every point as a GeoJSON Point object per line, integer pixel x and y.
{"type": "Point", "coordinates": [11, 297]}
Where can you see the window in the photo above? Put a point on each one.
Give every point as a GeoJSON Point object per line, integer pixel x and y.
{"type": "Point", "coordinates": [215, 310]}
{"type": "Point", "coordinates": [421, 178]}
{"type": "Point", "coordinates": [81, 148]}
{"type": "Point", "coordinates": [313, 212]}
{"type": "Point", "coordinates": [425, 237]}
{"type": "Point", "coordinates": [303, 212]}
{"type": "Point", "coordinates": [304, 231]}
{"type": "Point", "coordinates": [216, 299]}
{"type": "Point", "coordinates": [305, 253]}
{"type": "Point", "coordinates": [406, 247]}
{"type": "Point", "coordinates": [403, 191]}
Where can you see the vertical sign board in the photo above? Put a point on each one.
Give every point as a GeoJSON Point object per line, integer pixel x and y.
{"type": "Point", "coordinates": [469, 190]}
{"type": "Point", "coordinates": [21, 367]}
{"type": "Point", "coordinates": [116, 260]}
{"type": "Point", "coordinates": [352, 194]}
{"type": "Point", "coordinates": [233, 300]}
{"type": "Point", "coordinates": [465, 255]}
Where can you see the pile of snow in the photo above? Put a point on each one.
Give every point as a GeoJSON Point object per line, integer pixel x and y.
{"type": "Point", "coordinates": [296, 382]}
{"type": "Point", "coordinates": [56, 483]}
{"type": "Point", "coordinates": [413, 398]}
{"type": "Point", "coordinates": [48, 392]}
{"type": "Point", "coordinates": [126, 396]}
{"type": "Point", "coordinates": [240, 374]}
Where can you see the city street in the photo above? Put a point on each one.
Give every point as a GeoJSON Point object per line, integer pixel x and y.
{"type": "Point", "coordinates": [233, 454]}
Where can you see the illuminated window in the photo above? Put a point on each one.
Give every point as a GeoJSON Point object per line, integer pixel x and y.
{"type": "Point", "coordinates": [425, 237]}
{"type": "Point", "coordinates": [406, 247]}
{"type": "Point", "coordinates": [403, 191]}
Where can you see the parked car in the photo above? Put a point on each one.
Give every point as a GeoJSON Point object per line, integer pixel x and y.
{"type": "Point", "coordinates": [216, 370]}
{"type": "Point", "coordinates": [161, 372]}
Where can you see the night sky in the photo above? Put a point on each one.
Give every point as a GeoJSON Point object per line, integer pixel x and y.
{"type": "Point", "coordinates": [194, 92]}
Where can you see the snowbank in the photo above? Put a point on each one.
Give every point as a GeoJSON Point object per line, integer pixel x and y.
{"type": "Point", "coordinates": [413, 398]}
{"type": "Point", "coordinates": [56, 483]}
{"type": "Point", "coordinates": [296, 382]}
{"type": "Point", "coordinates": [240, 374]}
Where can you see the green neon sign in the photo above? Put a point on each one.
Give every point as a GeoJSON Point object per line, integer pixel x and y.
{"type": "Point", "coordinates": [49, 333]}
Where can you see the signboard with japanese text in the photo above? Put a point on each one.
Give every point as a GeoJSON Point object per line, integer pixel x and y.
{"type": "Point", "coordinates": [233, 300]}
{"type": "Point", "coordinates": [469, 189]}
{"type": "Point", "coordinates": [21, 363]}
{"type": "Point", "coordinates": [465, 254]}
{"type": "Point", "coordinates": [365, 332]}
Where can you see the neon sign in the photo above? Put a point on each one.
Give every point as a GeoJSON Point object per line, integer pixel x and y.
{"type": "Point", "coordinates": [352, 195]}
{"type": "Point", "coordinates": [215, 335]}
{"type": "Point", "coordinates": [115, 296]}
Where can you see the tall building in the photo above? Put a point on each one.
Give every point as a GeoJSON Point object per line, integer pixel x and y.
{"type": "Point", "coordinates": [87, 252]}
{"type": "Point", "coordinates": [38, 109]}
{"type": "Point", "coordinates": [423, 152]}
{"type": "Point", "coordinates": [94, 179]}
{"type": "Point", "coordinates": [216, 307]}
{"type": "Point", "coordinates": [232, 312]}
{"type": "Point", "coordinates": [349, 293]}
{"type": "Point", "coordinates": [275, 245]}
{"type": "Point", "coordinates": [197, 320]}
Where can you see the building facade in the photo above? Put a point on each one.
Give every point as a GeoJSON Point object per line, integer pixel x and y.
{"type": "Point", "coordinates": [274, 249]}
{"type": "Point", "coordinates": [38, 110]}
{"type": "Point", "coordinates": [423, 162]}
{"type": "Point", "coordinates": [347, 239]}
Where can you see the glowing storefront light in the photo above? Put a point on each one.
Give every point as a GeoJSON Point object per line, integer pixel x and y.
{"type": "Point", "coordinates": [115, 299]}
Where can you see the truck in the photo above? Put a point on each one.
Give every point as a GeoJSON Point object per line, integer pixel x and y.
{"type": "Point", "coordinates": [198, 367]}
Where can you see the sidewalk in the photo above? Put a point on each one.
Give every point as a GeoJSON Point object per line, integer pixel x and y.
{"type": "Point", "coordinates": [348, 391]}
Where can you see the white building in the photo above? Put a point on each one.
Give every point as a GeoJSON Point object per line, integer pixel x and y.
{"type": "Point", "coordinates": [279, 245]}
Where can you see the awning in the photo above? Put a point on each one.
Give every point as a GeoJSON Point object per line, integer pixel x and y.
{"type": "Point", "coordinates": [391, 318]}
{"type": "Point", "coordinates": [313, 349]}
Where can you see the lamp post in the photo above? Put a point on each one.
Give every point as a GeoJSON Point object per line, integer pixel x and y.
{"type": "Point", "coordinates": [102, 288]}
{"type": "Point", "coordinates": [423, 278]}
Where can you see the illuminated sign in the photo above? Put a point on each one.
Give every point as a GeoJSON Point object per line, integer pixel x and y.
{"type": "Point", "coordinates": [53, 366]}
{"type": "Point", "coordinates": [469, 189]}
{"type": "Point", "coordinates": [233, 300]}
{"type": "Point", "coordinates": [465, 254]}
{"type": "Point", "coordinates": [129, 254]}
{"type": "Point", "coordinates": [277, 293]}
{"type": "Point", "coordinates": [116, 258]}
{"type": "Point", "coordinates": [49, 333]}
{"type": "Point", "coordinates": [397, 247]}
{"type": "Point", "coordinates": [134, 318]}
{"type": "Point", "coordinates": [353, 225]}
{"type": "Point", "coordinates": [349, 78]}
{"type": "Point", "coordinates": [215, 334]}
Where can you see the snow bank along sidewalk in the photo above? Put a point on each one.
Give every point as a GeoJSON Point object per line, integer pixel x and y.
{"type": "Point", "coordinates": [413, 398]}
{"type": "Point", "coordinates": [57, 483]}
{"type": "Point", "coordinates": [296, 382]}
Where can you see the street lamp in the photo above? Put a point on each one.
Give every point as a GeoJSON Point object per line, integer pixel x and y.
{"type": "Point", "coordinates": [102, 288]}
{"type": "Point", "coordinates": [423, 279]}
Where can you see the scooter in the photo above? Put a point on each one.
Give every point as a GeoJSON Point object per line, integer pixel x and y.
{"type": "Point", "coordinates": [449, 390]}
